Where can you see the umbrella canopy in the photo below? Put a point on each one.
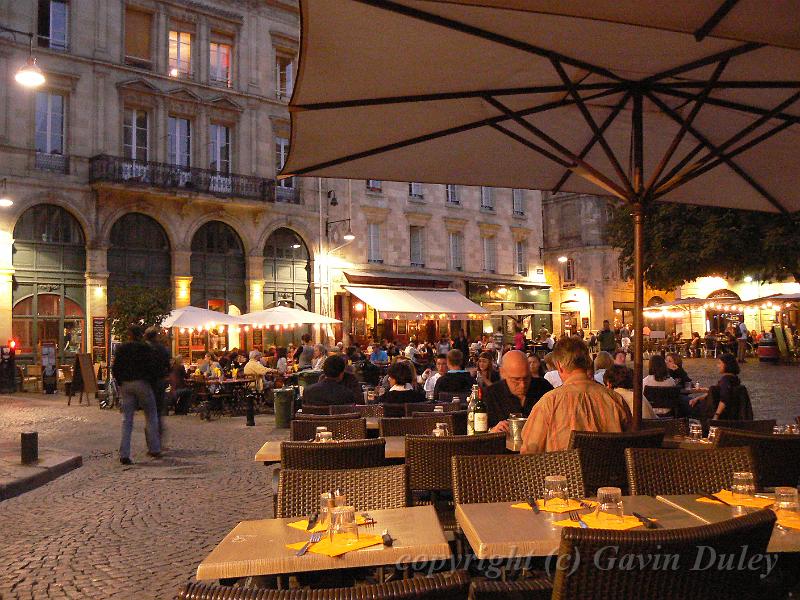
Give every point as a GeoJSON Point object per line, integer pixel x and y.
{"type": "Point", "coordinates": [774, 300]}
{"type": "Point", "coordinates": [680, 305]}
{"type": "Point", "coordinates": [284, 315]}
{"type": "Point", "coordinates": [521, 312]}
{"type": "Point", "coordinates": [199, 318]}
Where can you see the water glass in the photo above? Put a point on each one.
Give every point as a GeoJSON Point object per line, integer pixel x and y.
{"type": "Point", "coordinates": [695, 432]}
{"type": "Point", "coordinates": [429, 395]}
{"type": "Point", "coordinates": [438, 409]}
{"type": "Point", "coordinates": [795, 428]}
{"type": "Point", "coordinates": [444, 428]}
{"type": "Point", "coordinates": [370, 395]}
{"type": "Point", "coordinates": [786, 503]}
{"type": "Point", "coordinates": [778, 430]}
{"type": "Point", "coordinates": [555, 491]}
{"type": "Point", "coordinates": [437, 431]}
{"type": "Point", "coordinates": [326, 505]}
{"type": "Point", "coordinates": [317, 436]}
{"type": "Point", "coordinates": [326, 437]}
{"type": "Point", "coordinates": [344, 528]}
{"type": "Point", "coordinates": [743, 485]}
{"type": "Point", "coordinates": [609, 505]}
{"type": "Point", "coordinates": [712, 433]}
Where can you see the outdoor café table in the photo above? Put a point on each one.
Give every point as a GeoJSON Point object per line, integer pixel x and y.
{"type": "Point", "coordinates": [270, 452]}
{"type": "Point", "coordinates": [259, 547]}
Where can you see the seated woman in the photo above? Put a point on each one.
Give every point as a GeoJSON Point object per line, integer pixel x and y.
{"type": "Point", "coordinates": [620, 380]}
{"type": "Point", "coordinates": [695, 344]}
{"type": "Point", "coordinates": [402, 388]}
{"type": "Point", "coordinates": [659, 374]}
{"type": "Point", "coordinates": [486, 374]}
{"type": "Point", "coordinates": [602, 362]}
{"type": "Point", "coordinates": [722, 400]}
{"type": "Point", "coordinates": [676, 371]}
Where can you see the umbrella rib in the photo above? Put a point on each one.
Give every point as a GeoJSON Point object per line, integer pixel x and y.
{"type": "Point", "coordinates": [497, 38]}
{"type": "Point", "coordinates": [756, 110]}
{"type": "Point", "coordinates": [713, 149]}
{"type": "Point", "coordinates": [593, 141]}
{"type": "Point", "coordinates": [438, 134]}
{"type": "Point", "coordinates": [714, 20]}
{"type": "Point", "coordinates": [702, 62]}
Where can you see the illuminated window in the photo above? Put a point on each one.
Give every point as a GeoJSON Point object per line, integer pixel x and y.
{"type": "Point", "coordinates": [180, 53]}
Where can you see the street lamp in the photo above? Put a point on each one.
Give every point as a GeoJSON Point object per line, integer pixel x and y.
{"type": "Point", "coordinates": [347, 237]}
{"type": "Point", "coordinates": [562, 259]}
{"type": "Point", "coordinates": [28, 75]}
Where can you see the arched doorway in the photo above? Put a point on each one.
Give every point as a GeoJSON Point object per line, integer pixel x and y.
{"type": "Point", "coordinates": [720, 313]}
{"type": "Point", "coordinates": [287, 270]}
{"type": "Point", "coordinates": [49, 289]}
{"type": "Point", "coordinates": [657, 323]}
{"type": "Point", "coordinates": [139, 254]}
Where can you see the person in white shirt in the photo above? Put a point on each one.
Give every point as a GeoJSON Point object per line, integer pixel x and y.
{"type": "Point", "coordinates": [620, 379]}
{"type": "Point", "coordinates": [411, 350]}
{"type": "Point", "coordinates": [659, 373]}
{"type": "Point", "coordinates": [431, 377]}
{"type": "Point", "coordinates": [550, 341]}
{"type": "Point", "coordinates": [552, 376]}
{"type": "Point", "coordinates": [320, 354]}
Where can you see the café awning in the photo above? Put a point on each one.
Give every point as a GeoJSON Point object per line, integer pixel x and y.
{"type": "Point", "coordinates": [521, 312]}
{"type": "Point", "coordinates": [418, 304]}
{"type": "Point", "coordinates": [192, 317]}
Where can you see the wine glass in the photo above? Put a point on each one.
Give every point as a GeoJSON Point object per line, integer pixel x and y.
{"type": "Point", "coordinates": [695, 432]}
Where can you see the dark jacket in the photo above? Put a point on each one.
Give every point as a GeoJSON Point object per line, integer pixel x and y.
{"type": "Point", "coordinates": [680, 376]}
{"type": "Point", "coordinates": [398, 397]}
{"type": "Point", "coordinates": [500, 402]}
{"type": "Point", "coordinates": [135, 361]}
{"type": "Point", "coordinates": [161, 359]}
{"type": "Point", "coordinates": [454, 382]}
{"type": "Point", "coordinates": [327, 392]}
{"type": "Point", "coordinates": [727, 391]}
{"type": "Point", "coordinates": [608, 340]}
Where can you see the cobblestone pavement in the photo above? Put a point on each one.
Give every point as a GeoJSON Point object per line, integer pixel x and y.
{"type": "Point", "coordinates": [108, 531]}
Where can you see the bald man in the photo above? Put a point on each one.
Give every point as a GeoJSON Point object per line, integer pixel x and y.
{"type": "Point", "coordinates": [515, 393]}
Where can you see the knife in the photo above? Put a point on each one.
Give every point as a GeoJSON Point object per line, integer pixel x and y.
{"type": "Point", "coordinates": [312, 520]}
{"type": "Point", "coordinates": [710, 496]}
{"type": "Point", "coordinates": [533, 504]}
{"type": "Point", "coordinates": [646, 521]}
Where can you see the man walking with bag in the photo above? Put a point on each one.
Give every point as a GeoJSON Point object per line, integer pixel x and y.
{"type": "Point", "coordinates": [741, 341]}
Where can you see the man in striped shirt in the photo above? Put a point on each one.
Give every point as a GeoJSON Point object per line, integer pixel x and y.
{"type": "Point", "coordinates": [580, 404]}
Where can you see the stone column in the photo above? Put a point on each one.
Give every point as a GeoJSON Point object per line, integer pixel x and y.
{"type": "Point", "coordinates": [255, 283]}
{"type": "Point", "coordinates": [182, 278]}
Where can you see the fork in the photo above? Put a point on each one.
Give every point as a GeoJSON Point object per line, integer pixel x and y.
{"type": "Point", "coordinates": [315, 537]}
{"type": "Point", "coordinates": [574, 516]}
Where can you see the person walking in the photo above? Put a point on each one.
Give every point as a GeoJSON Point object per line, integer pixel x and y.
{"type": "Point", "coordinates": [741, 342]}
{"type": "Point", "coordinates": [161, 368]}
{"type": "Point", "coordinates": [134, 371]}
{"type": "Point", "coordinates": [606, 338]}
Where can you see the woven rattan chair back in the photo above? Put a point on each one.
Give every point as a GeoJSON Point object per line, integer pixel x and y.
{"type": "Point", "coordinates": [429, 407]}
{"type": "Point", "coordinates": [652, 471]}
{"type": "Point", "coordinates": [453, 585]}
{"type": "Point", "coordinates": [680, 552]}
{"type": "Point", "coordinates": [603, 456]}
{"type": "Point", "coordinates": [429, 458]}
{"type": "Point", "coordinates": [350, 415]}
{"type": "Point", "coordinates": [370, 410]}
{"type": "Point", "coordinates": [303, 430]}
{"type": "Point", "coordinates": [776, 457]}
{"type": "Point", "coordinates": [366, 489]}
{"type": "Point", "coordinates": [459, 420]}
{"type": "Point", "coordinates": [343, 409]}
{"type": "Point", "coordinates": [513, 477]}
{"type": "Point", "coordinates": [761, 426]}
{"type": "Point", "coordinates": [664, 400]}
{"type": "Point", "coordinates": [671, 427]}
{"type": "Point", "coordinates": [394, 410]}
{"type": "Point", "coordinates": [346, 454]}
{"type": "Point", "coordinates": [412, 425]}
{"type": "Point", "coordinates": [522, 589]}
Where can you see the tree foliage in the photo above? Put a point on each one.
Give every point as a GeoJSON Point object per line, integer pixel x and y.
{"type": "Point", "coordinates": [684, 242]}
{"type": "Point", "coordinates": [139, 305]}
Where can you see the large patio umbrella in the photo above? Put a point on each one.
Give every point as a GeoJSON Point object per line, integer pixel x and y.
{"type": "Point", "coordinates": [689, 101]}
{"type": "Point", "coordinates": [285, 315]}
{"type": "Point", "coordinates": [192, 317]}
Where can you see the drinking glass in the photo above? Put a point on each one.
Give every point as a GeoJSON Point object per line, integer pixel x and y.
{"type": "Point", "coordinates": [339, 498]}
{"type": "Point", "coordinates": [326, 437]}
{"type": "Point", "coordinates": [429, 395]}
{"type": "Point", "coordinates": [320, 430]}
{"type": "Point", "coordinates": [555, 491]}
{"type": "Point", "coordinates": [712, 433]}
{"type": "Point", "coordinates": [777, 430]}
{"type": "Point", "coordinates": [326, 506]}
{"type": "Point", "coordinates": [444, 427]}
{"type": "Point", "coordinates": [695, 432]}
{"type": "Point", "coordinates": [795, 428]}
{"type": "Point", "coordinates": [370, 395]}
{"type": "Point", "coordinates": [743, 485]}
{"type": "Point", "coordinates": [344, 528]}
{"type": "Point", "coordinates": [437, 431]}
{"type": "Point", "coordinates": [438, 409]}
{"type": "Point", "coordinates": [456, 400]}
{"type": "Point", "coordinates": [786, 503]}
{"type": "Point", "coordinates": [609, 505]}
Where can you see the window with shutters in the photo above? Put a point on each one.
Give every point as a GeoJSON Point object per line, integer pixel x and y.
{"type": "Point", "coordinates": [451, 194]}
{"type": "Point", "coordinates": [179, 142]}
{"type": "Point", "coordinates": [415, 190]}
{"type": "Point", "coordinates": [518, 201]}
{"type": "Point", "coordinates": [180, 53]}
{"type": "Point", "coordinates": [135, 137]}
{"type": "Point", "coordinates": [489, 254]}
{"type": "Point", "coordinates": [219, 67]}
{"type": "Point", "coordinates": [284, 75]}
{"type": "Point", "coordinates": [220, 149]}
{"type": "Point", "coordinates": [281, 154]}
{"type": "Point", "coordinates": [521, 257]}
{"type": "Point", "coordinates": [568, 271]}
{"type": "Point", "coordinates": [374, 185]}
{"type": "Point", "coordinates": [456, 245]}
{"type": "Point", "coordinates": [487, 198]}
{"type": "Point", "coordinates": [50, 125]}
{"type": "Point", "coordinates": [417, 245]}
{"type": "Point", "coordinates": [374, 243]}
{"type": "Point", "coordinates": [53, 24]}
{"type": "Point", "coordinates": [138, 32]}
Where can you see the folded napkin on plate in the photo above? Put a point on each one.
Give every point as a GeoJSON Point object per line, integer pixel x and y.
{"type": "Point", "coordinates": [628, 522]}
{"type": "Point", "coordinates": [552, 507]}
{"type": "Point", "coordinates": [748, 502]}
{"type": "Point", "coordinates": [301, 525]}
{"type": "Point", "coordinates": [341, 544]}
{"type": "Point", "coordinates": [791, 521]}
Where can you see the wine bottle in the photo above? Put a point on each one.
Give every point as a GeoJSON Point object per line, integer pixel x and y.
{"type": "Point", "coordinates": [480, 416]}
{"type": "Point", "coordinates": [473, 399]}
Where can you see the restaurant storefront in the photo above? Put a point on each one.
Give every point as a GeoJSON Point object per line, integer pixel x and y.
{"type": "Point", "coordinates": [509, 295]}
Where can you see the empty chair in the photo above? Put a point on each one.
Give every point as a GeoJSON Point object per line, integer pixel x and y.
{"type": "Point", "coordinates": [761, 426]}
{"type": "Point", "coordinates": [666, 401]}
{"type": "Point", "coordinates": [412, 425]}
{"type": "Point", "coordinates": [671, 427]}
{"type": "Point", "coordinates": [370, 410]}
{"type": "Point", "coordinates": [775, 456]}
{"type": "Point", "coordinates": [603, 455]}
{"type": "Point", "coordinates": [303, 430]}
{"type": "Point", "coordinates": [342, 409]}
{"type": "Point", "coordinates": [429, 407]}
{"type": "Point", "coordinates": [312, 417]}
{"type": "Point", "coordinates": [366, 489]}
{"type": "Point", "coordinates": [394, 409]}
{"type": "Point", "coordinates": [652, 471]}
{"type": "Point", "coordinates": [347, 454]}
{"type": "Point", "coordinates": [447, 397]}
{"type": "Point", "coordinates": [459, 420]}
{"type": "Point", "coordinates": [513, 477]}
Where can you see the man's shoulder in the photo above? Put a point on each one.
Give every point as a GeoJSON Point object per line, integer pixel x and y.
{"type": "Point", "coordinates": [497, 389]}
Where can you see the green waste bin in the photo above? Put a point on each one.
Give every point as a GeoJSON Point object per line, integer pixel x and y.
{"type": "Point", "coordinates": [306, 378]}
{"type": "Point", "coordinates": [283, 399]}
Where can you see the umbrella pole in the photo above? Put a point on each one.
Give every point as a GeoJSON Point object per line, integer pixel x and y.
{"type": "Point", "coordinates": [638, 314]}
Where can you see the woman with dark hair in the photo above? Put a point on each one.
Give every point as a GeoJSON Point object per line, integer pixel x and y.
{"type": "Point", "coordinates": [723, 397]}
{"type": "Point", "coordinates": [620, 380]}
{"type": "Point", "coordinates": [486, 374]}
{"type": "Point", "coordinates": [659, 374]}
{"type": "Point", "coordinates": [676, 371]}
{"type": "Point", "coordinates": [536, 366]}
{"type": "Point", "coordinates": [401, 377]}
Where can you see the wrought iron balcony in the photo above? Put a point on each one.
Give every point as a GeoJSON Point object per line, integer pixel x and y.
{"type": "Point", "coordinates": [115, 169]}
{"type": "Point", "coordinates": [56, 163]}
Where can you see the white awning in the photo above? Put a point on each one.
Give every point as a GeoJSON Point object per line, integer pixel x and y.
{"type": "Point", "coordinates": [418, 304]}
{"type": "Point", "coordinates": [522, 312]}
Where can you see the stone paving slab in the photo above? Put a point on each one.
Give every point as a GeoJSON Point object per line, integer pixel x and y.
{"type": "Point", "coordinates": [17, 478]}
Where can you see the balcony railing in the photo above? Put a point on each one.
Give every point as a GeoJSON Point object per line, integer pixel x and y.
{"type": "Point", "coordinates": [116, 169]}
{"type": "Point", "coordinates": [57, 163]}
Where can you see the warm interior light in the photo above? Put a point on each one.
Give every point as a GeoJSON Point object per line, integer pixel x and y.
{"type": "Point", "coordinates": [562, 259]}
{"type": "Point", "coordinates": [295, 245]}
{"type": "Point", "coordinates": [173, 72]}
{"type": "Point", "coordinates": [359, 307]}
{"type": "Point", "coordinates": [29, 74]}
{"type": "Point", "coordinates": [349, 237]}
{"type": "Point", "coordinates": [748, 279]}
{"type": "Point", "coordinates": [5, 202]}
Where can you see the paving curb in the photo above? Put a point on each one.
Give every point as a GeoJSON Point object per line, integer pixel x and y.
{"type": "Point", "coordinates": [16, 478]}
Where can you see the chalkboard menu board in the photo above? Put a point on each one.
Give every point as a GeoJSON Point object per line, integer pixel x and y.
{"type": "Point", "coordinates": [99, 337]}
{"type": "Point", "coordinates": [184, 345]}
{"type": "Point", "coordinates": [258, 339]}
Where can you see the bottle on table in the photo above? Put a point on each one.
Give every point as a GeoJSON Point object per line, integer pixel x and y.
{"type": "Point", "coordinates": [473, 398]}
{"type": "Point", "coordinates": [480, 416]}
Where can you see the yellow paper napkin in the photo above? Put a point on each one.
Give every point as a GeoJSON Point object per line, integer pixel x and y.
{"type": "Point", "coordinates": [551, 507]}
{"type": "Point", "coordinates": [342, 543]}
{"type": "Point", "coordinates": [749, 502]}
{"type": "Point", "coordinates": [628, 522]}
{"type": "Point", "coordinates": [789, 521]}
{"type": "Point", "coordinates": [301, 525]}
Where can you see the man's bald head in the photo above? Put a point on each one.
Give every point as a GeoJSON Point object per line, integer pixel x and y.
{"type": "Point", "coordinates": [516, 373]}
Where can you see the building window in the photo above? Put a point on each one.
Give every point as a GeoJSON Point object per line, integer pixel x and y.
{"type": "Point", "coordinates": [451, 194]}
{"type": "Point", "coordinates": [138, 28]}
{"type": "Point", "coordinates": [220, 160]}
{"type": "Point", "coordinates": [50, 132]}
{"type": "Point", "coordinates": [284, 75]}
{"type": "Point", "coordinates": [521, 257]}
{"type": "Point", "coordinates": [179, 140]}
{"type": "Point", "coordinates": [220, 64]}
{"type": "Point", "coordinates": [417, 245]}
{"type": "Point", "coordinates": [53, 24]}
{"type": "Point", "coordinates": [456, 247]}
{"type": "Point", "coordinates": [135, 135]}
{"type": "Point", "coordinates": [374, 243]}
{"type": "Point", "coordinates": [281, 154]}
{"type": "Point", "coordinates": [180, 53]}
{"type": "Point", "coordinates": [415, 190]}
{"type": "Point", "coordinates": [489, 254]}
{"type": "Point", "coordinates": [487, 198]}
{"type": "Point", "coordinates": [374, 185]}
{"type": "Point", "coordinates": [518, 201]}
{"type": "Point", "coordinates": [568, 271]}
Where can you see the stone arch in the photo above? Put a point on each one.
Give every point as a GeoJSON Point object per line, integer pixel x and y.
{"type": "Point", "coordinates": [111, 218]}
{"type": "Point", "coordinates": [56, 199]}
{"type": "Point", "coordinates": [233, 222]}
{"type": "Point", "coordinates": [724, 294]}
{"type": "Point", "coordinates": [301, 230]}
{"type": "Point", "coordinates": [218, 277]}
{"type": "Point", "coordinates": [288, 270]}
{"type": "Point", "coordinates": [142, 259]}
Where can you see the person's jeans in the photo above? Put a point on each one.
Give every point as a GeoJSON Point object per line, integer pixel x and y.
{"type": "Point", "coordinates": [137, 394]}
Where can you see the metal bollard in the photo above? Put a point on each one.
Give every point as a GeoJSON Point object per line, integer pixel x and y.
{"type": "Point", "coordinates": [251, 411]}
{"type": "Point", "coordinates": [29, 447]}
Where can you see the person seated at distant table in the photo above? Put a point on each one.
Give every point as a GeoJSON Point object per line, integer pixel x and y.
{"type": "Point", "coordinates": [516, 392]}
{"type": "Point", "coordinates": [331, 389]}
{"type": "Point", "coordinates": [379, 356]}
{"type": "Point", "coordinates": [659, 374]}
{"type": "Point", "coordinates": [456, 381]}
{"type": "Point", "coordinates": [620, 380]}
{"type": "Point", "coordinates": [254, 368]}
{"type": "Point", "coordinates": [430, 377]}
{"type": "Point", "coordinates": [401, 390]}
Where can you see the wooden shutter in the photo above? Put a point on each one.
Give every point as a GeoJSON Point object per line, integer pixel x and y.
{"type": "Point", "coordinates": [138, 26]}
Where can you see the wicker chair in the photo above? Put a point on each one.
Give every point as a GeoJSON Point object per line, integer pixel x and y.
{"type": "Point", "coordinates": [512, 477]}
{"type": "Point", "coordinates": [366, 489]}
{"type": "Point", "coordinates": [775, 456]}
{"type": "Point", "coordinates": [342, 409]}
{"type": "Point", "coordinates": [370, 410]}
{"type": "Point", "coordinates": [459, 420]}
{"type": "Point", "coordinates": [328, 409]}
{"type": "Point", "coordinates": [652, 472]}
{"type": "Point", "coordinates": [411, 425]}
{"type": "Point", "coordinates": [348, 454]}
{"type": "Point", "coordinates": [525, 589]}
{"type": "Point", "coordinates": [603, 455]}
{"type": "Point", "coordinates": [428, 407]}
{"type": "Point", "coordinates": [762, 426]}
{"type": "Point", "coordinates": [312, 417]}
{"type": "Point", "coordinates": [442, 585]}
{"type": "Point", "coordinates": [303, 430]}
{"type": "Point", "coordinates": [664, 400]}
{"type": "Point", "coordinates": [671, 427]}
{"type": "Point", "coordinates": [394, 410]}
